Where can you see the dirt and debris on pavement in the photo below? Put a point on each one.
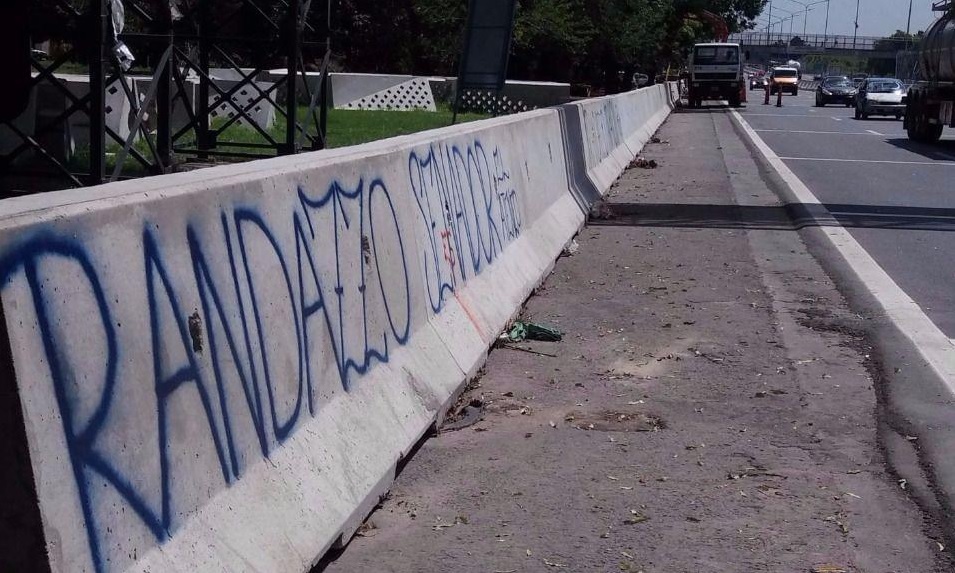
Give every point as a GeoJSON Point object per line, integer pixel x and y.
{"type": "Point", "coordinates": [711, 407]}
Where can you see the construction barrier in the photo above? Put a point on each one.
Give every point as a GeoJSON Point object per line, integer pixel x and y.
{"type": "Point", "coordinates": [220, 370]}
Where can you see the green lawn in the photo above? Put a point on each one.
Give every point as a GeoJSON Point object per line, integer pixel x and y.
{"type": "Point", "coordinates": [345, 127]}
{"type": "Point", "coordinates": [352, 127]}
{"type": "Point", "coordinates": [348, 127]}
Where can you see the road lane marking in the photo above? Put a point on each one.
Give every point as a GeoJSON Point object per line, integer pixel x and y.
{"type": "Point", "coordinates": [837, 118]}
{"type": "Point", "coordinates": [935, 347]}
{"type": "Point", "coordinates": [873, 132]}
{"type": "Point", "coordinates": [835, 160]}
{"type": "Point", "coordinates": [813, 132]}
{"type": "Point", "coordinates": [780, 115]}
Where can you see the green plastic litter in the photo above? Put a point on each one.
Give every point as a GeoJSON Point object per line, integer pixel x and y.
{"type": "Point", "coordinates": [521, 331]}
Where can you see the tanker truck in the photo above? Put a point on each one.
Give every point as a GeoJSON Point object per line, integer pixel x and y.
{"type": "Point", "coordinates": [929, 102]}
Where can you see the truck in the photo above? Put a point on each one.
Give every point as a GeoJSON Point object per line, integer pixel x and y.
{"type": "Point", "coordinates": [716, 73]}
{"type": "Point", "coordinates": [929, 102]}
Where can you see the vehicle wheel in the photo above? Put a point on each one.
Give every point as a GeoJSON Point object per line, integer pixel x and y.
{"type": "Point", "coordinates": [848, 105]}
{"type": "Point", "coordinates": [898, 117]}
{"type": "Point", "coordinates": [734, 102]}
{"type": "Point", "coordinates": [919, 129]}
{"type": "Point", "coordinates": [796, 92]}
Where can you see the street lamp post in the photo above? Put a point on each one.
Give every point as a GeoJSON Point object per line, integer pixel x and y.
{"type": "Point", "coordinates": [908, 25]}
{"type": "Point", "coordinates": [855, 32]}
{"type": "Point", "coordinates": [769, 34]}
{"type": "Point", "coordinates": [807, 6]}
{"type": "Point", "coordinates": [826, 33]}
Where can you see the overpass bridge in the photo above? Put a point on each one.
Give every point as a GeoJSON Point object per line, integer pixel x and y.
{"type": "Point", "coordinates": [766, 46]}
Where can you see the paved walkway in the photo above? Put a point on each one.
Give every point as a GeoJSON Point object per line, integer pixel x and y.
{"type": "Point", "coordinates": [711, 409]}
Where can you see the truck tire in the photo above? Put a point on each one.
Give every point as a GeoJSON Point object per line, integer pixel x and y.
{"type": "Point", "coordinates": [920, 130]}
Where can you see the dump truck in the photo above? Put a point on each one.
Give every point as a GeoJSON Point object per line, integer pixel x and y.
{"type": "Point", "coordinates": [716, 73]}
{"type": "Point", "coordinates": [929, 102]}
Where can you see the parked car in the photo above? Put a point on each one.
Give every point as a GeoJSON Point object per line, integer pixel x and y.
{"type": "Point", "coordinates": [785, 79]}
{"type": "Point", "coordinates": [880, 96]}
{"type": "Point", "coordinates": [836, 89]}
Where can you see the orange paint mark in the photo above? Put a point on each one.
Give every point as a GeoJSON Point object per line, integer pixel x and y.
{"type": "Point", "coordinates": [471, 316]}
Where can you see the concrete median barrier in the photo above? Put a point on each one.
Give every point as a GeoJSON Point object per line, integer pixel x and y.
{"type": "Point", "coordinates": [615, 128]}
{"type": "Point", "coordinates": [220, 370]}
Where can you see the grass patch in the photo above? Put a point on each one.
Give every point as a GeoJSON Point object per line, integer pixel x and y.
{"type": "Point", "coordinates": [353, 127]}
{"type": "Point", "coordinates": [350, 127]}
{"type": "Point", "coordinates": [345, 127]}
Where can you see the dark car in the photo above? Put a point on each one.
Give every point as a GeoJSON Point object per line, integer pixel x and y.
{"type": "Point", "coordinates": [836, 89]}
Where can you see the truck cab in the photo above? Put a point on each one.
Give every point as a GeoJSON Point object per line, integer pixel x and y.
{"type": "Point", "coordinates": [716, 73]}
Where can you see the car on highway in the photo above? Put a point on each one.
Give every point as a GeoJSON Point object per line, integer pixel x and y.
{"type": "Point", "coordinates": [785, 79]}
{"type": "Point", "coordinates": [757, 82]}
{"type": "Point", "coordinates": [836, 89]}
{"type": "Point", "coordinates": [880, 96]}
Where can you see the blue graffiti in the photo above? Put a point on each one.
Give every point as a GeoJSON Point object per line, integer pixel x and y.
{"type": "Point", "coordinates": [604, 131]}
{"type": "Point", "coordinates": [467, 205]}
{"type": "Point", "coordinates": [337, 268]}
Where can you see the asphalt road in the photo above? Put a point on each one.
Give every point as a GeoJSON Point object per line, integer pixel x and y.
{"type": "Point", "coordinates": [896, 197]}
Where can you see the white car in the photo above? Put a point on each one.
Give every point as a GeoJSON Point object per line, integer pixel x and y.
{"type": "Point", "coordinates": [880, 96]}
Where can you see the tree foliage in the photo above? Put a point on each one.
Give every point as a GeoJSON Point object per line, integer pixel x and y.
{"type": "Point", "coordinates": [588, 41]}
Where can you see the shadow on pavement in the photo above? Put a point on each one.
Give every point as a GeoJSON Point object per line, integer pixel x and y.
{"type": "Point", "coordinates": [790, 217]}
{"type": "Point", "coordinates": [943, 150]}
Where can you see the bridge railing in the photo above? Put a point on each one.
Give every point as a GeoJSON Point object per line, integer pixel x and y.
{"type": "Point", "coordinates": [819, 41]}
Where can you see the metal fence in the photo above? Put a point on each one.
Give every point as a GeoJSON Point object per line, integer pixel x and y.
{"type": "Point", "coordinates": [820, 41]}
{"type": "Point", "coordinates": [89, 119]}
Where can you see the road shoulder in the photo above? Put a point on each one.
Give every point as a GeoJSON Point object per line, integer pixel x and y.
{"type": "Point", "coordinates": [710, 408]}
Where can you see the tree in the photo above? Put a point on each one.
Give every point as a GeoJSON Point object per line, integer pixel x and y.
{"type": "Point", "coordinates": [897, 42]}
{"type": "Point", "coordinates": [589, 41]}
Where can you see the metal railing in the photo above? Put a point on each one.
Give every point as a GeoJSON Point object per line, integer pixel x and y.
{"type": "Point", "coordinates": [820, 41]}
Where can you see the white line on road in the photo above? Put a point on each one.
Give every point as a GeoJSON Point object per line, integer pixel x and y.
{"type": "Point", "coordinates": [837, 118]}
{"type": "Point", "coordinates": [813, 132]}
{"type": "Point", "coordinates": [934, 346]}
{"type": "Point", "coordinates": [873, 132]}
{"type": "Point", "coordinates": [834, 160]}
{"type": "Point", "coordinates": [780, 115]}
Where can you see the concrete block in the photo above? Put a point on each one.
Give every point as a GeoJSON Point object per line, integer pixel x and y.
{"type": "Point", "coordinates": [262, 112]}
{"type": "Point", "coordinates": [219, 370]}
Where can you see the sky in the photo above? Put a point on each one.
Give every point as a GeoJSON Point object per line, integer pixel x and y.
{"type": "Point", "coordinates": [876, 17]}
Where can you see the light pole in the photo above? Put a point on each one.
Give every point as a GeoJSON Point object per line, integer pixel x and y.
{"type": "Point", "coordinates": [908, 25]}
{"type": "Point", "coordinates": [855, 32]}
{"type": "Point", "coordinates": [806, 6]}
{"type": "Point", "coordinates": [769, 34]}
{"type": "Point", "coordinates": [826, 33]}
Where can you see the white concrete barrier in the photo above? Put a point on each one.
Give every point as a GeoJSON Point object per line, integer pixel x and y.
{"type": "Point", "coordinates": [615, 128]}
{"type": "Point", "coordinates": [219, 370]}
